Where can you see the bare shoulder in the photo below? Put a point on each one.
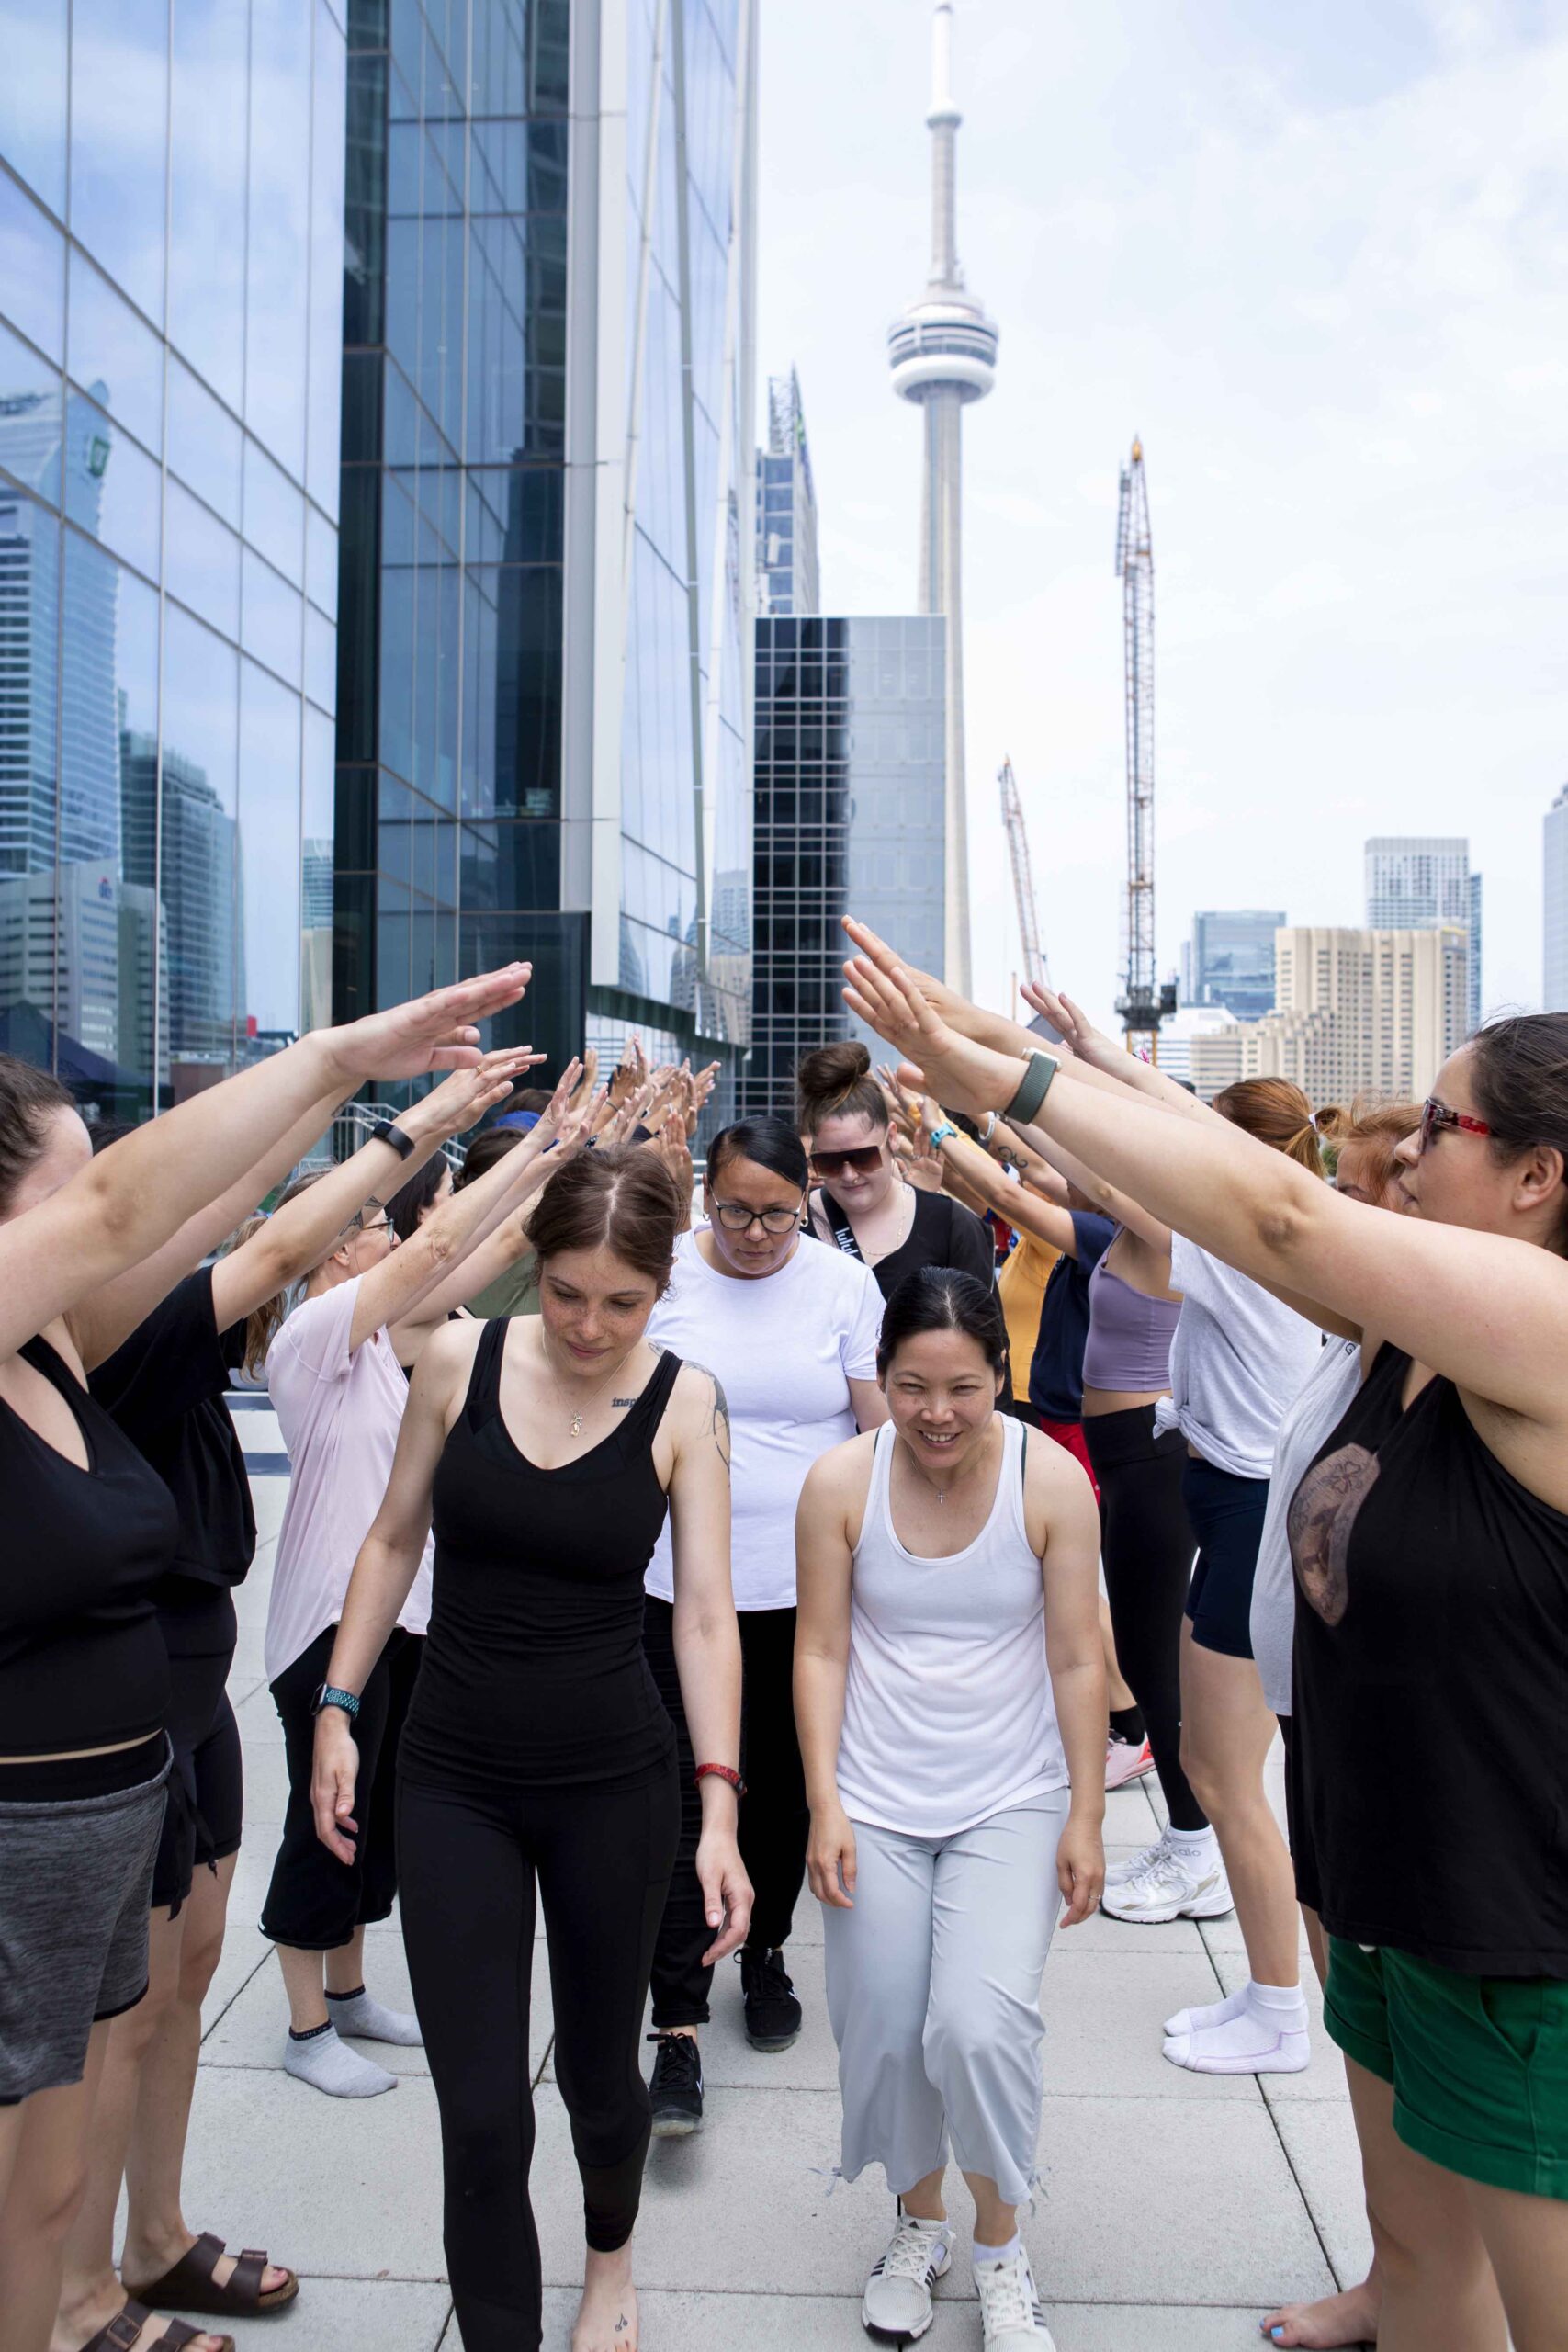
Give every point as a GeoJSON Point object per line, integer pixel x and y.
{"type": "Point", "coordinates": [698, 1409]}
{"type": "Point", "coordinates": [445, 1359]}
{"type": "Point", "coordinates": [841, 1475]}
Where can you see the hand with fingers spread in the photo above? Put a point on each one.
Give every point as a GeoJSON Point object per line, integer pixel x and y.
{"type": "Point", "coordinates": [974, 1077]}
{"type": "Point", "coordinates": [462, 1100]}
{"type": "Point", "coordinates": [432, 1033]}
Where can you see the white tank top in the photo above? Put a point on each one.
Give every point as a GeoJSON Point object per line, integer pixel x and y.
{"type": "Point", "coordinates": [948, 1712]}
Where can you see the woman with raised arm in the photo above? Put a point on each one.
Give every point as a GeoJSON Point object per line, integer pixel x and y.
{"type": "Point", "coordinates": [948, 1687]}
{"type": "Point", "coordinates": [860, 1203]}
{"type": "Point", "coordinates": [549, 1450]}
{"type": "Point", "coordinates": [164, 1384]}
{"type": "Point", "coordinates": [1430, 1544]}
{"type": "Point", "coordinates": [789, 1329]}
{"type": "Point", "coordinates": [84, 1673]}
{"type": "Point", "coordinates": [339, 1390]}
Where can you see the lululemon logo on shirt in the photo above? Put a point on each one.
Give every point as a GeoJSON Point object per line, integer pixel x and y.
{"type": "Point", "coordinates": [1321, 1521]}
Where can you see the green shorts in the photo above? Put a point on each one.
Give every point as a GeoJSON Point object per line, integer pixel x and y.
{"type": "Point", "coordinates": [1479, 2065]}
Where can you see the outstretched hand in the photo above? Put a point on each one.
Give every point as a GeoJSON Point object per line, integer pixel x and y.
{"type": "Point", "coordinates": [973, 1077]}
{"type": "Point", "coordinates": [429, 1033]}
{"type": "Point", "coordinates": [1077, 1031]}
{"type": "Point", "coordinates": [460, 1101]}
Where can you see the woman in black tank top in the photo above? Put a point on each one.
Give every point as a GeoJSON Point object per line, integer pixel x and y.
{"type": "Point", "coordinates": [1430, 1546]}
{"type": "Point", "coordinates": [545, 1450]}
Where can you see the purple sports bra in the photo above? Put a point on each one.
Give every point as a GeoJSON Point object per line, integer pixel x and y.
{"type": "Point", "coordinates": [1129, 1336]}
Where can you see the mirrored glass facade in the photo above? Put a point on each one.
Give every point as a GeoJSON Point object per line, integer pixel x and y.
{"type": "Point", "coordinates": [171, 220]}
{"type": "Point", "coordinates": [1229, 960]}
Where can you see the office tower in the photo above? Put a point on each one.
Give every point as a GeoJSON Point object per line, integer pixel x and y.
{"type": "Point", "coordinates": [1554, 845]}
{"type": "Point", "coordinates": [544, 743]}
{"type": "Point", "coordinates": [943, 350]}
{"type": "Point", "coordinates": [1414, 881]}
{"type": "Point", "coordinates": [1178, 1032]}
{"type": "Point", "coordinates": [850, 814]}
{"type": "Point", "coordinates": [171, 215]}
{"type": "Point", "coordinates": [1373, 1012]}
{"type": "Point", "coordinates": [787, 507]}
{"type": "Point", "coordinates": [1229, 961]}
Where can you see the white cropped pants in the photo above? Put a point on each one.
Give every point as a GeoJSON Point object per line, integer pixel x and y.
{"type": "Point", "coordinates": [933, 1991]}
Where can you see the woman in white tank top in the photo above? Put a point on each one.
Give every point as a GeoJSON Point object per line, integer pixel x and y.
{"type": "Point", "coordinates": [950, 1695]}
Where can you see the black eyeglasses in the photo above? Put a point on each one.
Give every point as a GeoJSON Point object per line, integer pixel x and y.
{"type": "Point", "coordinates": [1435, 1114]}
{"type": "Point", "coordinates": [863, 1161]}
{"type": "Point", "coordinates": [736, 1217]}
{"type": "Point", "coordinates": [360, 1223]}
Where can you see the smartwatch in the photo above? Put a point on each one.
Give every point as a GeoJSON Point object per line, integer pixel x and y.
{"type": "Point", "coordinates": [939, 1135]}
{"type": "Point", "coordinates": [1036, 1085]}
{"type": "Point", "coordinates": [328, 1696]}
{"type": "Point", "coordinates": [384, 1131]}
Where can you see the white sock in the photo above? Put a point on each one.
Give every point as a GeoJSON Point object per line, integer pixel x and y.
{"type": "Point", "coordinates": [361, 2015]}
{"type": "Point", "coordinates": [1014, 2246]}
{"type": "Point", "coordinates": [1209, 2012]}
{"type": "Point", "coordinates": [1268, 2035]}
{"type": "Point", "coordinates": [328, 2065]}
{"type": "Point", "coordinates": [1189, 1842]}
{"type": "Point", "coordinates": [932, 2229]}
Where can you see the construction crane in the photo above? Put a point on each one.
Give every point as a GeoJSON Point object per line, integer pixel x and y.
{"type": "Point", "coordinates": [1035, 968]}
{"type": "Point", "coordinates": [1143, 1003]}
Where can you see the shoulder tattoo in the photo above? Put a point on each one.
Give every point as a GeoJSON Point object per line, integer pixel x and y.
{"type": "Point", "coordinates": [715, 1422]}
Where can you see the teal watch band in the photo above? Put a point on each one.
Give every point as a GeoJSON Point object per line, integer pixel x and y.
{"type": "Point", "coordinates": [939, 1135]}
{"type": "Point", "coordinates": [1025, 1103]}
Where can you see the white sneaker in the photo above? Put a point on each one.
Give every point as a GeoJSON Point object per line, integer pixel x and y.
{"type": "Point", "coordinates": [1120, 1873]}
{"type": "Point", "coordinates": [1172, 1887]}
{"type": "Point", "coordinates": [1125, 1763]}
{"type": "Point", "coordinates": [1011, 2312]}
{"type": "Point", "coordinates": [896, 2305]}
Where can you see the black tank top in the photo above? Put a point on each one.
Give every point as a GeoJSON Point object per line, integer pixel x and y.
{"type": "Point", "coordinates": [82, 1661]}
{"type": "Point", "coordinates": [534, 1671]}
{"type": "Point", "coordinates": [1429, 1773]}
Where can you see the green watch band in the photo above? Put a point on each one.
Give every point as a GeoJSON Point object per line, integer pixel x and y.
{"type": "Point", "coordinates": [1025, 1103]}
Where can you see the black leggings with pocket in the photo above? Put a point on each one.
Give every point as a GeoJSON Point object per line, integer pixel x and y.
{"type": "Point", "coordinates": [467, 1860]}
{"type": "Point", "coordinates": [1146, 1548]}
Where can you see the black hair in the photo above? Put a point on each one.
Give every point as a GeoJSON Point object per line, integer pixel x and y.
{"type": "Point", "coordinates": [28, 1099]}
{"type": "Point", "coordinates": [410, 1201]}
{"type": "Point", "coordinates": [488, 1146]}
{"type": "Point", "coordinates": [942, 1298]}
{"type": "Point", "coordinates": [772, 1143]}
{"type": "Point", "coordinates": [1519, 1077]}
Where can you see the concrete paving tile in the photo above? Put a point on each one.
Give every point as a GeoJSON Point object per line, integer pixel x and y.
{"type": "Point", "coordinates": [1319, 2137]}
{"type": "Point", "coordinates": [244, 1952]}
{"type": "Point", "coordinates": [267, 1777]}
{"type": "Point", "coordinates": [1324, 2078]}
{"type": "Point", "coordinates": [1118, 2327]}
{"type": "Point", "coordinates": [250, 1657]}
{"type": "Point", "coordinates": [1103, 2017]}
{"type": "Point", "coordinates": [346, 2187]}
{"type": "Point", "coordinates": [697, 2322]}
{"type": "Point", "coordinates": [255, 1713]}
{"type": "Point", "coordinates": [350, 2315]}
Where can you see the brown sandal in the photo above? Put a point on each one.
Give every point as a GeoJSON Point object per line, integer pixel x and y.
{"type": "Point", "coordinates": [190, 2285]}
{"type": "Point", "coordinates": [121, 2334]}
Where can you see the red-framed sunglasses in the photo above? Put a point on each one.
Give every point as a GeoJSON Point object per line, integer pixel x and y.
{"type": "Point", "coordinates": [1435, 1114]}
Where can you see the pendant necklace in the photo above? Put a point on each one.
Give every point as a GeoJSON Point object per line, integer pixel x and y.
{"type": "Point", "coordinates": [576, 1416]}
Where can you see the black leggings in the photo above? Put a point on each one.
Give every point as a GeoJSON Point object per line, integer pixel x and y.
{"type": "Point", "coordinates": [467, 1864]}
{"type": "Point", "coordinates": [776, 1820]}
{"type": "Point", "coordinates": [1146, 1547]}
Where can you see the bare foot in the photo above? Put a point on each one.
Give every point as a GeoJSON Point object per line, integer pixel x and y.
{"type": "Point", "coordinates": [1336, 2320]}
{"type": "Point", "coordinates": [606, 2317]}
{"type": "Point", "coordinates": [81, 2326]}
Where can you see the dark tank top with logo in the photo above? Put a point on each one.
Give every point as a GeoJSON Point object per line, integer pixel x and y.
{"type": "Point", "coordinates": [1428, 1772]}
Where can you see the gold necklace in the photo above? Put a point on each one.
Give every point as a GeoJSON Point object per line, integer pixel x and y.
{"type": "Point", "coordinates": [576, 1413]}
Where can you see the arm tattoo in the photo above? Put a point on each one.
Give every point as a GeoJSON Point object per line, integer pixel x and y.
{"type": "Point", "coordinates": [717, 1426]}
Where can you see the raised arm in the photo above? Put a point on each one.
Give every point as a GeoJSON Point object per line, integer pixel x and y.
{"type": "Point", "coordinates": [824, 1568]}
{"type": "Point", "coordinates": [707, 1641]}
{"type": "Point", "coordinates": [136, 1196]}
{"type": "Point", "coordinates": [1489, 1312]}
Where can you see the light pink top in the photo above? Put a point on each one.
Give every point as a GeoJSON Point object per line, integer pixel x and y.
{"type": "Point", "coordinates": [340, 1414]}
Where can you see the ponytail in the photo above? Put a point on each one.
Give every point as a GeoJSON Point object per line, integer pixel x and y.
{"type": "Point", "coordinates": [264, 1322]}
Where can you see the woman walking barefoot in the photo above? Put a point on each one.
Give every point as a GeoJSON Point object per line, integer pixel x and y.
{"type": "Point", "coordinates": [949, 1684]}
{"type": "Point", "coordinates": [550, 1449]}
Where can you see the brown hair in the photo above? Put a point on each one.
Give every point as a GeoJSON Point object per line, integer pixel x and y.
{"type": "Point", "coordinates": [624, 1200]}
{"type": "Point", "coordinates": [264, 1322]}
{"type": "Point", "coordinates": [1379, 1126]}
{"type": "Point", "coordinates": [1277, 1114]}
{"type": "Point", "coordinates": [1521, 1075]}
{"type": "Point", "coordinates": [488, 1146]}
{"type": "Point", "coordinates": [835, 1082]}
{"type": "Point", "coordinates": [29, 1099]}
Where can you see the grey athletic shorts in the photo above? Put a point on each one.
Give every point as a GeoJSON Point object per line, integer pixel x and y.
{"type": "Point", "coordinates": [75, 1896]}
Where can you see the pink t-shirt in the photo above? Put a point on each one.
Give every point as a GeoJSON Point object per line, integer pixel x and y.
{"type": "Point", "coordinates": [340, 1413]}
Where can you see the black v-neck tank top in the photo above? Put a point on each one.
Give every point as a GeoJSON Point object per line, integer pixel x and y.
{"type": "Point", "coordinates": [1428, 1772]}
{"type": "Point", "coordinates": [534, 1671]}
{"type": "Point", "coordinates": [82, 1661]}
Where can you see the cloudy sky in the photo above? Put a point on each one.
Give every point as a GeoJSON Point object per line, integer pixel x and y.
{"type": "Point", "coordinates": [1317, 257]}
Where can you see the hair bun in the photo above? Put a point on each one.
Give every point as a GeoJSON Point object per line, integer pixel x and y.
{"type": "Point", "coordinates": [832, 1069]}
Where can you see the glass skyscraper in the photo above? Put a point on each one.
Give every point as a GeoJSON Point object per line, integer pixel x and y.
{"type": "Point", "coordinates": [1229, 960]}
{"type": "Point", "coordinates": [544, 730]}
{"type": "Point", "coordinates": [171, 240]}
{"type": "Point", "coordinates": [1416, 882]}
{"type": "Point", "coordinates": [787, 578]}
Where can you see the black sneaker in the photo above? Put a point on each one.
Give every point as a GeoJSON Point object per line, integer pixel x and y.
{"type": "Point", "coordinates": [773, 2013]}
{"type": "Point", "coordinates": [676, 2085]}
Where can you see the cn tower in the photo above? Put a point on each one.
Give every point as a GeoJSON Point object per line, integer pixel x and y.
{"type": "Point", "coordinates": [943, 350]}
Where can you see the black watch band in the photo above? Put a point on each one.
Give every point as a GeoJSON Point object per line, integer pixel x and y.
{"type": "Point", "coordinates": [385, 1132]}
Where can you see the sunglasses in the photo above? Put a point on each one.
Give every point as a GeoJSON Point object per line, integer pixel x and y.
{"type": "Point", "coordinates": [1435, 1114]}
{"type": "Point", "coordinates": [863, 1161]}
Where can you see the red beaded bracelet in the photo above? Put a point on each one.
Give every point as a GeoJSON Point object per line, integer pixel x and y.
{"type": "Point", "coordinates": [720, 1772]}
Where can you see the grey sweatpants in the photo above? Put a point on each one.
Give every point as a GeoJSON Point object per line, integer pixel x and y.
{"type": "Point", "coordinates": [933, 1991]}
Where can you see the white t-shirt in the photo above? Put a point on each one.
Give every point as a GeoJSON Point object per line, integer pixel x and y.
{"type": "Point", "coordinates": [340, 1414]}
{"type": "Point", "coordinates": [785, 1346]}
{"type": "Point", "coordinates": [1237, 1360]}
{"type": "Point", "coordinates": [1316, 1413]}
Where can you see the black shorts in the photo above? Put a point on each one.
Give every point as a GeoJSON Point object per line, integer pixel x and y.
{"type": "Point", "coordinates": [206, 1789]}
{"type": "Point", "coordinates": [1226, 1513]}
